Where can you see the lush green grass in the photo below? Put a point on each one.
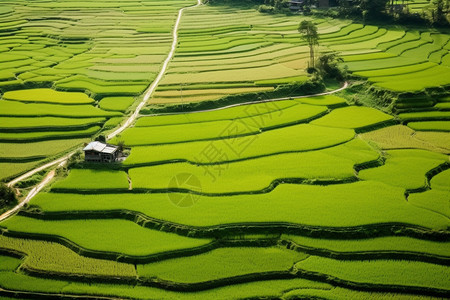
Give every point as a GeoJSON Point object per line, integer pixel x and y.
{"type": "Point", "coordinates": [322, 100]}
{"type": "Point", "coordinates": [405, 168]}
{"type": "Point", "coordinates": [92, 179]}
{"type": "Point", "coordinates": [43, 123]}
{"type": "Point", "coordinates": [47, 135]}
{"type": "Point", "coordinates": [353, 204]}
{"type": "Point", "coordinates": [342, 293]}
{"type": "Point", "coordinates": [11, 169]}
{"type": "Point", "coordinates": [403, 137]}
{"type": "Point", "coordinates": [303, 137]}
{"type": "Point", "coordinates": [441, 181]}
{"type": "Point", "coordinates": [327, 165]}
{"type": "Point", "coordinates": [353, 117]}
{"type": "Point", "coordinates": [394, 272]}
{"type": "Point", "coordinates": [435, 200]}
{"type": "Point", "coordinates": [109, 235]}
{"type": "Point", "coordinates": [48, 96]}
{"type": "Point", "coordinates": [14, 108]}
{"type": "Point", "coordinates": [136, 136]}
{"type": "Point", "coordinates": [37, 149]}
{"type": "Point", "coordinates": [9, 263]}
{"type": "Point", "coordinates": [54, 257]}
{"type": "Point", "coordinates": [16, 281]}
{"type": "Point", "coordinates": [395, 71]}
{"type": "Point", "coordinates": [222, 263]}
{"type": "Point", "coordinates": [430, 125]}
{"type": "Point", "coordinates": [116, 103]}
{"type": "Point", "coordinates": [425, 115]}
{"type": "Point", "coordinates": [240, 112]}
{"type": "Point", "coordinates": [417, 81]}
{"type": "Point", "coordinates": [251, 122]}
{"type": "Point", "coordinates": [381, 244]}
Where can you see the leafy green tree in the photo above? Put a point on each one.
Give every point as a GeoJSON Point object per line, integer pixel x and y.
{"type": "Point", "coordinates": [372, 8]}
{"type": "Point", "coordinates": [7, 196]}
{"type": "Point", "coordinates": [309, 33]}
{"type": "Point", "coordinates": [439, 9]}
{"type": "Point", "coordinates": [328, 66]}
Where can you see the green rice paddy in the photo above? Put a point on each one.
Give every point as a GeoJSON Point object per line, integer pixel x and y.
{"type": "Point", "coordinates": [306, 197]}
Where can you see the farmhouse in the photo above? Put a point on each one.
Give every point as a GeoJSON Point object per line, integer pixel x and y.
{"type": "Point", "coordinates": [296, 5]}
{"type": "Point", "coordinates": [100, 152]}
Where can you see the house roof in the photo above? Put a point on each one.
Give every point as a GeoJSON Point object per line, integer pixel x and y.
{"type": "Point", "coordinates": [100, 147]}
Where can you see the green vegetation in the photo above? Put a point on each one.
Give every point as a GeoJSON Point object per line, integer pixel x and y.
{"type": "Point", "coordinates": [222, 263]}
{"type": "Point", "coordinates": [8, 196]}
{"type": "Point", "coordinates": [248, 197]}
{"type": "Point", "coordinates": [430, 125]}
{"type": "Point", "coordinates": [434, 200]}
{"type": "Point", "coordinates": [333, 205]}
{"type": "Point", "coordinates": [391, 244]}
{"type": "Point", "coordinates": [405, 168]}
{"type": "Point", "coordinates": [332, 164]}
{"type": "Point", "coordinates": [109, 235]}
{"type": "Point", "coordinates": [87, 179]}
{"type": "Point", "coordinates": [303, 137]}
{"type": "Point", "coordinates": [392, 272]}
{"type": "Point", "coordinates": [48, 96]}
{"type": "Point", "coordinates": [53, 257]}
{"type": "Point", "coordinates": [353, 117]}
{"type": "Point", "coordinates": [9, 124]}
{"type": "Point", "coordinates": [116, 103]}
{"type": "Point", "coordinates": [441, 181]}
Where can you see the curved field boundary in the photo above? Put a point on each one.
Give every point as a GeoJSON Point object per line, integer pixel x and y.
{"type": "Point", "coordinates": [261, 276]}
{"type": "Point", "coordinates": [32, 193]}
{"type": "Point", "coordinates": [182, 160]}
{"type": "Point", "coordinates": [237, 229]}
{"type": "Point", "coordinates": [268, 189]}
{"type": "Point", "coordinates": [368, 255]}
{"type": "Point", "coordinates": [428, 176]}
{"type": "Point", "coordinates": [44, 296]}
{"type": "Point", "coordinates": [134, 259]}
{"type": "Point", "coordinates": [155, 82]}
{"type": "Point", "coordinates": [251, 102]}
{"type": "Point", "coordinates": [360, 286]}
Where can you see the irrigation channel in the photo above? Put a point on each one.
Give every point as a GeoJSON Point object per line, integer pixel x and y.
{"type": "Point", "coordinates": [130, 120]}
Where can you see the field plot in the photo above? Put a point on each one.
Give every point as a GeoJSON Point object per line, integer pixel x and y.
{"type": "Point", "coordinates": [232, 51]}
{"type": "Point", "coordinates": [305, 197]}
{"type": "Point", "coordinates": [64, 69]}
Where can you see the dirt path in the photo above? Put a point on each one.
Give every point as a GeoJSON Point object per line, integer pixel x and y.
{"type": "Point", "coordinates": [131, 119]}
{"type": "Point", "coordinates": [254, 102]}
{"type": "Point", "coordinates": [27, 199]}
{"type": "Point", "coordinates": [155, 83]}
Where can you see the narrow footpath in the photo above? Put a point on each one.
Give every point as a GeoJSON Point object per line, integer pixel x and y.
{"type": "Point", "coordinates": [63, 160]}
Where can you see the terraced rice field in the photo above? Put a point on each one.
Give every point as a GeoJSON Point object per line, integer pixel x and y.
{"type": "Point", "coordinates": [301, 198]}
{"type": "Point", "coordinates": [65, 73]}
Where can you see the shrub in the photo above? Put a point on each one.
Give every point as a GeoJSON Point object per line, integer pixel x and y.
{"type": "Point", "coordinates": [7, 196]}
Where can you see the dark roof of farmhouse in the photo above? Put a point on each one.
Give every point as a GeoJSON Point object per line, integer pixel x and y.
{"type": "Point", "coordinates": [100, 147]}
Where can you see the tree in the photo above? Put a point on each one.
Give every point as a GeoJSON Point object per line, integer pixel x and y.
{"type": "Point", "coordinates": [438, 12]}
{"type": "Point", "coordinates": [328, 66]}
{"type": "Point", "coordinates": [308, 31]}
{"type": "Point", "coordinates": [7, 196]}
{"type": "Point", "coordinates": [121, 145]}
{"type": "Point", "coordinates": [372, 7]}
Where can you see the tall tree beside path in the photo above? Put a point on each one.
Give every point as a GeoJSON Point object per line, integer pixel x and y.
{"type": "Point", "coordinates": [308, 31]}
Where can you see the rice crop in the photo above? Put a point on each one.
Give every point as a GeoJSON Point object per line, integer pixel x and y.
{"type": "Point", "coordinates": [405, 168]}
{"type": "Point", "coordinates": [83, 179]}
{"type": "Point", "coordinates": [48, 96]}
{"type": "Point", "coordinates": [110, 235]}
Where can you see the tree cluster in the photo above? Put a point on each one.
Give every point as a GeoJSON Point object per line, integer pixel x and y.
{"type": "Point", "coordinates": [7, 196]}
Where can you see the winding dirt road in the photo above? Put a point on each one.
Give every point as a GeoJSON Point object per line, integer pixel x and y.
{"type": "Point", "coordinates": [62, 160]}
